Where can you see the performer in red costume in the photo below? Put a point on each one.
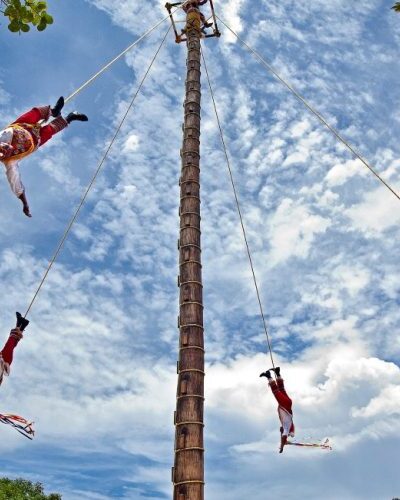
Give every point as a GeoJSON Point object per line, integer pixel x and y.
{"type": "Point", "coordinates": [6, 355]}
{"type": "Point", "coordinates": [26, 135]}
{"type": "Point", "coordinates": [284, 405]}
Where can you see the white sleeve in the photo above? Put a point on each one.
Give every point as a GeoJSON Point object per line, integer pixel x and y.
{"type": "Point", "coordinates": [286, 421]}
{"type": "Point", "coordinates": [14, 177]}
{"type": "Point", "coordinates": [6, 135]}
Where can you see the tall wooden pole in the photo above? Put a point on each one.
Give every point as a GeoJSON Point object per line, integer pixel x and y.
{"type": "Point", "coordinates": [188, 471]}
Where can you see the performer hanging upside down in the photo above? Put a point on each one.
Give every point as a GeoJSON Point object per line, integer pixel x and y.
{"type": "Point", "coordinates": [26, 135]}
{"type": "Point", "coordinates": [284, 405]}
{"type": "Point", "coordinates": [6, 355]}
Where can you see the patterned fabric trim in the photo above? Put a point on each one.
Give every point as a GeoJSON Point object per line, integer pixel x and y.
{"type": "Point", "coordinates": [23, 142]}
{"type": "Point", "coordinates": [59, 124]}
{"type": "Point", "coordinates": [45, 112]}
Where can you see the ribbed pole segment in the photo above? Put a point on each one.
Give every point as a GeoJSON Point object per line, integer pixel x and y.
{"type": "Point", "coordinates": [188, 472]}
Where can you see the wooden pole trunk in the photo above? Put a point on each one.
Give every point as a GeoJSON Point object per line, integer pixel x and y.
{"type": "Point", "coordinates": [188, 471]}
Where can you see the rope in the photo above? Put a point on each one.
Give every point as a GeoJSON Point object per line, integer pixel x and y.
{"type": "Point", "coordinates": [313, 110]}
{"type": "Point", "coordinates": [104, 68]}
{"type": "Point", "coordinates": [239, 211]}
{"type": "Point", "coordinates": [72, 221]}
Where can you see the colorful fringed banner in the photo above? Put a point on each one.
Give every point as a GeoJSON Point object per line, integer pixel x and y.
{"type": "Point", "coordinates": [20, 424]}
{"type": "Point", "coordinates": [324, 445]}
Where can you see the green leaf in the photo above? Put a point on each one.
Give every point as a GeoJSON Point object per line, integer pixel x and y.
{"type": "Point", "coordinates": [28, 17]}
{"type": "Point", "coordinates": [36, 18]}
{"type": "Point", "coordinates": [41, 6]}
{"type": "Point", "coordinates": [10, 11]}
{"type": "Point", "coordinates": [14, 26]}
{"type": "Point", "coordinates": [27, 13]}
{"type": "Point", "coordinates": [19, 489]}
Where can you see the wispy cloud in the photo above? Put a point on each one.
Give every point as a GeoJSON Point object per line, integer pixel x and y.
{"type": "Point", "coordinates": [97, 367]}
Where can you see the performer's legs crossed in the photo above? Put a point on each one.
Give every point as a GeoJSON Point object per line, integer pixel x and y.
{"type": "Point", "coordinates": [8, 350]}
{"type": "Point", "coordinates": [280, 395]}
{"type": "Point", "coordinates": [281, 385]}
{"type": "Point", "coordinates": [285, 401]}
{"type": "Point", "coordinates": [35, 115]}
{"type": "Point", "coordinates": [51, 129]}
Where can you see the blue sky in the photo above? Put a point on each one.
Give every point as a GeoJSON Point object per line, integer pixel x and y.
{"type": "Point", "coordinates": [97, 367]}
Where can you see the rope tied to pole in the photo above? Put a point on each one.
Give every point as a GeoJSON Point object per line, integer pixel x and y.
{"type": "Point", "coordinates": [121, 54]}
{"type": "Point", "coordinates": [318, 115]}
{"type": "Point", "coordinates": [97, 171]}
{"type": "Point", "coordinates": [239, 210]}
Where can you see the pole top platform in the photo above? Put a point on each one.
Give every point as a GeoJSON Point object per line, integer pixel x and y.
{"type": "Point", "coordinates": [194, 17]}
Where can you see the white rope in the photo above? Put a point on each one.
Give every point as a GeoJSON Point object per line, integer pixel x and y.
{"type": "Point", "coordinates": [104, 68]}
{"type": "Point", "coordinates": [235, 193]}
{"type": "Point", "coordinates": [310, 108]}
{"type": "Point", "coordinates": [99, 167]}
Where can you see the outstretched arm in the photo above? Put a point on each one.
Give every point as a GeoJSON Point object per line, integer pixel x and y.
{"type": "Point", "coordinates": [14, 179]}
{"type": "Point", "coordinates": [283, 442]}
{"type": "Point", "coordinates": [25, 204]}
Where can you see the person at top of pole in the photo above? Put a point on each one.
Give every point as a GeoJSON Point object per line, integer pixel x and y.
{"type": "Point", "coordinates": [285, 412]}
{"type": "Point", "coordinates": [192, 5]}
{"type": "Point", "coordinates": [25, 135]}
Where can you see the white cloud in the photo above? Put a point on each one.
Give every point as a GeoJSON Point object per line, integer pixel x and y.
{"type": "Point", "coordinates": [131, 143]}
{"type": "Point", "coordinates": [96, 369]}
{"type": "Point", "coordinates": [376, 213]}
{"type": "Point", "coordinates": [299, 129]}
{"type": "Point", "coordinates": [386, 403]}
{"type": "Point", "coordinates": [292, 231]}
{"type": "Point", "coordinates": [341, 173]}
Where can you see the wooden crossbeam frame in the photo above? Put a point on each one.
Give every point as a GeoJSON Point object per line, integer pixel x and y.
{"type": "Point", "coordinates": [181, 37]}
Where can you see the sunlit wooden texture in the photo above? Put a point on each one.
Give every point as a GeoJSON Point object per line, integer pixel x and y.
{"type": "Point", "coordinates": [188, 472]}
